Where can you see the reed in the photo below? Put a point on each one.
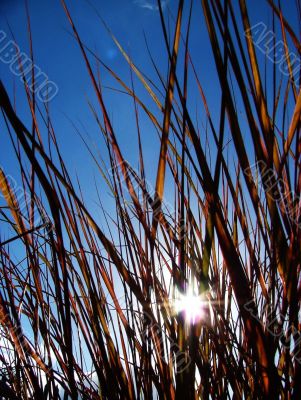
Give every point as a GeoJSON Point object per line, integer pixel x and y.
{"type": "Point", "coordinates": [92, 308]}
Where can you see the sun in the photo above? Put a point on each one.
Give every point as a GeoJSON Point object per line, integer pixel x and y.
{"type": "Point", "coordinates": [191, 305]}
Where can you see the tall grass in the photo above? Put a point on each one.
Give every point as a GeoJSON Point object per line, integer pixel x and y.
{"type": "Point", "coordinates": [90, 310]}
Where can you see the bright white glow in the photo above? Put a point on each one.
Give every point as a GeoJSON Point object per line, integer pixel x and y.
{"type": "Point", "coordinates": [192, 305]}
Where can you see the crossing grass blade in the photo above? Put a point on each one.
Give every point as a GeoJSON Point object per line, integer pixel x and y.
{"type": "Point", "coordinates": [88, 308]}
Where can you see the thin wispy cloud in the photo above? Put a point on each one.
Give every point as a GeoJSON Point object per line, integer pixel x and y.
{"type": "Point", "coordinates": [151, 5]}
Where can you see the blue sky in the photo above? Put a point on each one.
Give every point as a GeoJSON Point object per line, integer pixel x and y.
{"type": "Point", "coordinates": [58, 55]}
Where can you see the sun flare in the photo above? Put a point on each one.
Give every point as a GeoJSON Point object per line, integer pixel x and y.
{"type": "Point", "coordinates": [191, 305]}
